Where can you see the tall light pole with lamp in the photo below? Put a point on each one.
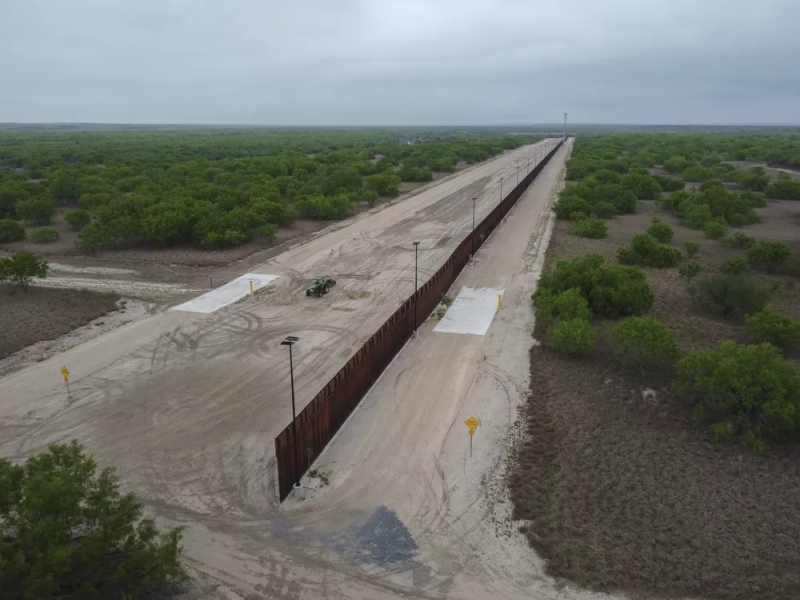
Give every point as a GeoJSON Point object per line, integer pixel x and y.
{"type": "Point", "coordinates": [416, 287]}
{"type": "Point", "coordinates": [298, 490]}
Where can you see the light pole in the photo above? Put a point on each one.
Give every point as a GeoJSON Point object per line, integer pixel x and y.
{"type": "Point", "coordinates": [473, 230]}
{"type": "Point", "coordinates": [416, 247]}
{"type": "Point", "coordinates": [565, 127]}
{"type": "Point", "coordinates": [289, 341]}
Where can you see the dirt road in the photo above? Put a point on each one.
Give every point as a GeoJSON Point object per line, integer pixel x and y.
{"type": "Point", "coordinates": [186, 406]}
{"type": "Point", "coordinates": [405, 500]}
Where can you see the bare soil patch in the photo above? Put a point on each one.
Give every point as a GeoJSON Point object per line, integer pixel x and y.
{"type": "Point", "coordinates": [619, 492]}
{"type": "Point", "coordinates": [44, 314]}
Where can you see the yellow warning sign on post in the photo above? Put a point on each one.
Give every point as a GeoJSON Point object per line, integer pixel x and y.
{"type": "Point", "coordinates": [472, 423]}
{"type": "Point", "coordinates": [65, 373]}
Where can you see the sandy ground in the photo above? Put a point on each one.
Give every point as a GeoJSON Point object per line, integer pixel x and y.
{"type": "Point", "coordinates": [186, 406]}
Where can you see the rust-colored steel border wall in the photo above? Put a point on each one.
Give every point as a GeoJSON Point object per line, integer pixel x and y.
{"type": "Point", "coordinates": [328, 410]}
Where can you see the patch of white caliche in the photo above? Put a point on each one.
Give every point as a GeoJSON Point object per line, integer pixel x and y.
{"type": "Point", "coordinates": [227, 294]}
{"type": "Point", "coordinates": [472, 312]}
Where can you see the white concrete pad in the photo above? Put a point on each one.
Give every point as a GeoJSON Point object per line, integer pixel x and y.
{"type": "Point", "coordinates": [472, 312]}
{"type": "Point", "coordinates": [227, 294]}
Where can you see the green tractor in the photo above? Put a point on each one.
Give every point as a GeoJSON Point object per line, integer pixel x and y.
{"type": "Point", "coordinates": [322, 285]}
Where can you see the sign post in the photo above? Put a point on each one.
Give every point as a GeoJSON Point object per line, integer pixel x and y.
{"type": "Point", "coordinates": [65, 373]}
{"type": "Point", "coordinates": [472, 423]}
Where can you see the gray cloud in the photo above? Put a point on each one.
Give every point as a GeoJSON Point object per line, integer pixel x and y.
{"type": "Point", "coordinates": [359, 62]}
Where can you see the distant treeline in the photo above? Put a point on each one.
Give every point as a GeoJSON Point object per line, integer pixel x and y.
{"type": "Point", "coordinates": [212, 188]}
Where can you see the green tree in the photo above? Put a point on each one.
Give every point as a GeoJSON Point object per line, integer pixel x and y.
{"type": "Point", "coordinates": [736, 265]}
{"type": "Point", "coordinates": [731, 296]}
{"type": "Point", "coordinates": [692, 248]}
{"type": "Point", "coordinates": [660, 230]}
{"type": "Point", "coordinates": [644, 344]}
{"type": "Point", "coordinates": [22, 268]}
{"type": "Point", "coordinates": [78, 219]}
{"type": "Point", "coordinates": [746, 391]}
{"type": "Point", "coordinates": [768, 256]}
{"type": "Point", "coordinates": [590, 228]}
{"type": "Point", "coordinates": [39, 210]}
{"type": "Point", "coordinates": [774, 328]}
{"type": "Point", "coordinates": [571, 337]}
{"type": "Point", "coordinates": [11, 231]}
{"type": "Point", "coordinates": [45, 235]}
{"type": "Point", "coordinates": [92, 238]}
{"type": "Point", "coordinates": [69, 533]}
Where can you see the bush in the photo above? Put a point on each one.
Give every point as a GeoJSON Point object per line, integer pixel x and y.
{"type": "Point", "coordinates": [731, 296]}
{"type": "Point", "coordinates": [265, 233]}
{"type": "Point", "coordinates": [590, 228]}
{"type": "Point", "coordinates": [565, 306]}
{"type": "Point", "coordinates": [39, 210]}
{"type": "Point", "coordinates": [571, 337]}
{"type": "Point", "coordinates": [11, 231]}
{"type": "Point", "coordinates": [697, 174]}
{"type": "Point", "coordinates": [45, 235]}
{"type": "Point", "coordinates": [578, 216]}
{"type": "Point", "coordinates": [660, 230]}
{"type": "Point", "coordinates": [644, 344]}
{"type": "Point", "coordinates": [734, 266]}
{"type": "Point", "coordinates": [22, 267]}
{"type": "Point", "coordinates": [689, 270]}
{"type": "Point", "coordinates": [69, 533]}
{"type": "Point", "coordinates": [745, 391]}
{"type": "Point", "coordinates": [78, 219]}
{"type": "Point", "coordinates": [791, 266]}
{"type": "Point", "coordinates": [567, 204]}
{"type": "Point", "coordinates": [92, 238]}
{"type": "Point", "coordinates": [604, 210]}
{"type": "Point", "coordinates": [692, 248]}
{"type": "Point", "coordinates": [783, 189]}
{"type": "Point", "coordinates": [715, 229]}
{"type": "Point", "coordinates": [774, 328]}
{"type": "Point", "coordinates": [768, 256]}
{"type": "Point", "coordinates": [739, 240]}
{"type": "Point", "coordinates": [645, 250]}
{"type": "Point", "coordinates": [611, 290]}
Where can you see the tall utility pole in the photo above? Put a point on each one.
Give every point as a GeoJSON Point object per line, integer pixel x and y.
{"type": "Point", "coordinates": [565, 127]}
{"type": "Point", "coordinates": [289, 341]}
{"type": "Point", "coordinates": [473, 230]}
{"type": "Point", "coordinates": [416, 247]}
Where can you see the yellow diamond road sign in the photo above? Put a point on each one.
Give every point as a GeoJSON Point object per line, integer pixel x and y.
{"type": "Point", "coordinates": [472, 423]}
{"type": "Point", "coordinates": [65, 372]}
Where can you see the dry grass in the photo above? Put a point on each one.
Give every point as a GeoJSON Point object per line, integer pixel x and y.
{"type": "Point", "coordinates": [44, 314]}
{"type": "Point", "coordinates": [623, 493]}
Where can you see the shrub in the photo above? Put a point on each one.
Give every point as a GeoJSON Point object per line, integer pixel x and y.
{"type": "Point", "coordinates": [590, 228]}
{"type": "Point", "coordinates": [611, 290]}
{"type": "Point", "coordinates": [22, 267]}
{"type": "Point", "coordinates": [645, 250]}
{"type": "Point", "coordinates": [731, 296]}
{"type": "Point", "coordinates": [70, 533]}
{"type": "Point", "coordinates": [692, 248]}
{"type": "Point", "coordinates": [739, 240]}
{"type": "Point", "coordinates": [92, 238]}
{"type": "Point", "coordinates": [565, 306]}
{"type": "Point", "coordinates": [265, 233]}
{"type": "Point", "coordinates": [774, 328]}
{"type": "Point", "coordinates": [768, 256]}
{"type": "Point", "coordinates": [568, 204]}
{"type": "Point", "coordinates": [783, 189]}
{"type": "Point", "coordinates": [715, 229]}
{"type": "Point", "coordinates": [45, 235]}
{"type": "Point", "coordinates": [644, 344]}
{"type": "Point", "coordinates": [791, 266]}
{"type": "Point", "coordinates": [11, 231]}
{"type": "Point", "coordinates": [660, 230]}
{"type": "Point", "coordinates": [689, 270]}
{"type": "Point", "coordinates": [571, 337]}
{"type": "Point", "coordinates": [604, 210]}
{"type": "Point", "coordinates": [697, 174]}
{"type": "Point", "coordinates": [734, 266]}
{"type": "Point", "coordinates": [577, 216]}
{"type": "Point", "coordinates": [39, 210]}
{"type": "Point", "coordinates": [746, 391]}
{"type": "Point", "coordinates": [78, 219]}
{"type": "Point", "coordinates": [675, 199]}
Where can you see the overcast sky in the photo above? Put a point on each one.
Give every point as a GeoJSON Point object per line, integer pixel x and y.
{"type": "Point", "coordinates": [400, 62]}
